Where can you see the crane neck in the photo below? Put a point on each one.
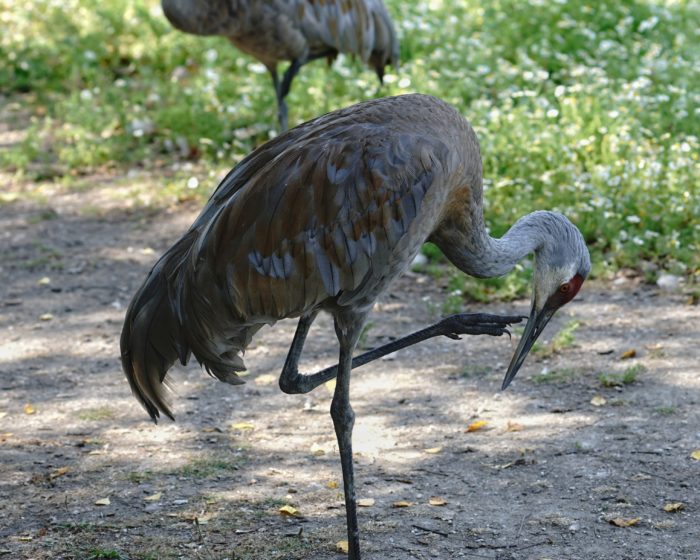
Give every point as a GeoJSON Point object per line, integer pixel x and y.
{"type": "Point", "coordinates": [480, 255]}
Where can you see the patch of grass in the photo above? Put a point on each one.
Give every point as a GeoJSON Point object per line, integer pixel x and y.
{"type": "Point", "coordinates": [208, 466]}
{"type": "Point", "coordinates": [97, 413]}
{"type": "Point", "coordinates": [104, 553]}
{"type": "Point", "coordinates": [627, 377]}
{"type": "Point", "coordinates": [475, 370]}
{"type": "Point", "coordinates": [666, 410]}
{"type": "Point", "coordinates": [137, 477]}
{"type": "Point", "coordinates": [554, 376]}
{"type": "Point", "coordinates": [565, 338]}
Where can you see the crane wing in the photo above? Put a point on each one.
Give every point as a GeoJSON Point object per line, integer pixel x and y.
{"type": "Point", "coordinates": [360, 27]}
{"type": "Point", "coordinates": [326, 217]}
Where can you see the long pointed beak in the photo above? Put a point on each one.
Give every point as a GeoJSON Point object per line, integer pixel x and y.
{"type": "Point", "coordinates": [533, 329]}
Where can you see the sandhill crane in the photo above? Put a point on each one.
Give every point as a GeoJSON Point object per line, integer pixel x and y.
{"type": "Point", "coordinates": [323, 217]}
{"type": "Point", "coordinates": [297, 31]}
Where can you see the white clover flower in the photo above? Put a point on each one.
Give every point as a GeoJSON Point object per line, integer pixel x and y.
{"type": "Point", "coordinates": [633, 219]}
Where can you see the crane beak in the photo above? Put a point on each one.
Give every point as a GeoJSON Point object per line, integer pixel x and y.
{"type": "Point", "coordinates": [533, 329]}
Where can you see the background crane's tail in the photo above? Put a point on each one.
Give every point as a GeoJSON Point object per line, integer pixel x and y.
{"type": "Point", "coordinates": [152, 337]}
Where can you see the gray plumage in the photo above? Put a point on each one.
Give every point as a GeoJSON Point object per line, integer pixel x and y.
{"type": "Point", "coordinates": [297, 31]}
{"type": "Point", "coordinates": [324, 217]}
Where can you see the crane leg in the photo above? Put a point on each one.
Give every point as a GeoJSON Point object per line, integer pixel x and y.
{"type": "Point", "coordinates": [281, 103]}
{"type": "Point", "coordinates": [348, 327]}
{"type": "Point", "coordinates": [293, 382]}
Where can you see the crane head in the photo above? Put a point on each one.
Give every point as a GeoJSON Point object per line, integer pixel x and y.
{"type": "Point", "coordinates": [560, 269]}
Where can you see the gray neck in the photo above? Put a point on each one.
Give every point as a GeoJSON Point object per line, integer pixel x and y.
{"type": "Point", "coordinates": [484, 256]}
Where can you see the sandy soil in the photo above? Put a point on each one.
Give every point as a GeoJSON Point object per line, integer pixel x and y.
{"type": "Point", "coordinates": [85, 474]}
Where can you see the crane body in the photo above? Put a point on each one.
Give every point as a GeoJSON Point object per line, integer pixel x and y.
{"type": "Point", "coordinates": [297, 31]}
{"type": "Point", "coordinates": [323, 218]}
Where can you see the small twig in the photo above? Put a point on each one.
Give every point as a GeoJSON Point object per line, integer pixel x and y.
{"type": "Point", "coordinates": [427, 529]}
{"type": "Point", "coordinates": [520, 528]}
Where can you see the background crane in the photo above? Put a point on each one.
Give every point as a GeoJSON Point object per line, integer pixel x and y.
{"type": "Point", "coordinates": [297, 31]}
{"type": "Point", "coordinates": [323, 217]}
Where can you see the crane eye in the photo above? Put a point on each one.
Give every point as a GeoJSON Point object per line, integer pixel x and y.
{"type": "Point", "coordinates": [565, 288]}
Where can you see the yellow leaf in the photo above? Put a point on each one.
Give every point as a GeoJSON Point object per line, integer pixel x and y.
{"type": "Point", "coordinates": [695, 455]}
{"type": "Point", "coordinates": [203, 519]}
{"type": "Point", "coordinates": [330, 385]}
{"type": "Point", "coordinates": [478, 425]}
{"type": "Point", "coordinates": [332, 484]}
{"type": "Point", "coordinates": [45, 317]}
{"type": "Point", "coordinates": [289, 510]}
{"type": "Point", "coordinates": [265, 379]}
{"type": "Point", "coordinates": [627, 354]}
{"type": "Point", "coordinates": [401, 504]}
{"type": "Point", "coordinates": [317, 450]}
{"type": "Point", "coordinates": [433, 450]}
{"type": "Point", "coordinates": [514, 427]}
{"type": "Point", "coordinates": [44, 281]}
{"type": "Point", "coordinates": [153, 497]}
{"type": "Point", "coordinates": [598, 400]}
{"type": "Point", "coordinates": [342, 547]}
{"type": "Point", "coordinates": [640, 476]}
{"type": "Point", "coordinates": [242, 426]}
{"type": "Point", "coordinates": [437, 501]}
{"type": "Point", "coordinates": [29, 409]}
{"type": "Point", "coordinates": [622, 522]}
{"type": "Point", "coordinates": [58, 472]}
{"type": "Point", "coordinates": [102, 502]}
{"type": "Point", "coordinates": [2, 415]}
{"type": "Point", "coordinates": [365, 502]}
{"type": "Point", "coordinates": [673, 507]}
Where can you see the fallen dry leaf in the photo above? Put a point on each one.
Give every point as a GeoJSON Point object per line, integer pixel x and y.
{"type": "Point", "coordinates": [317, 450]}
{"type": "Point", "coordinates": [622, 522]}
{"type": "Point", "coordinates": [627, 354]}
{"type": "Point", "coordinates": [437, 501]}
{"type": "Point", "coordinates": [102, 502]}
{"type": "Point", "coordinates": [640, 476]}
{"type": "Point", "coordinates": [365, 502]}
{"type": "Point", "coordinates": [203, 519]}
{"type": "Point", "coordinates": [44, 281]}
{"type": "Point", "coordinates": [514, 427]}
{"type": "Point", "coordinates": [332, 484]}
{"type": "Point", "coordinates": [330, 385]}
{"type": "Point", "coordinates": [58, 472]}
{"type": "Point", "coordinates": [401, 504]}
{"type": "Point", "coordinates": [672, 507]}
{"type": "Point", "coordinates": [153, 497]}
{"type": "Point", "coordinates": [29, 409]}
{"type": "Point", "coordinates": [342, 547]}
{"type": "Point", "coordinates": [2, 415]}
{"type": "Point", "coordinates": [265, 379]}
{"type": "Point", "coordinates": [289, 511]}
{"type": "Point", "coordinates": [242, 426]}
{"type": "Point", "coordinates": [433, 450]}
{"type": "Point", "coordinates": [695, 455]}
{"type": "Point", "coordinates": [598, 400]}
{"type": "Point", "coordinates": [477, 425]}
{"type": "Point", "coordinates": [46, 317]}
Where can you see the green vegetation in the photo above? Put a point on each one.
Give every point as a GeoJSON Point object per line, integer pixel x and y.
{"type": "Point", "coordinates": [627, 377]}
{"type": "Point", "coordinates": [563, 339]}
{"type": "Point", "coordinates": [98, 413]}
{"type": "Point", "coordinates": [589, 108]}
{"type": "Point", "coordinates": [554, 376]}
{"type": "Point", "coordinates": [208, 466]}
{"type": "Point", "coordinates": [100, 553]}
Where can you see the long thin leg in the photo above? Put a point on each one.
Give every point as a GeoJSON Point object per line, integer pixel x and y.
{"type": "Point", "coordinates": [347, 327]}
{"type": "Point", "coordinates": [293, 382]}
{"type": "Point", "coordinates": [281, 103]}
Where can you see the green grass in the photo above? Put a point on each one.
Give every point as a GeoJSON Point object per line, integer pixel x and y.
{"type": "Point", "coordinates": [97, 413]}
{"type": "Point", "coordinates": [208, 466]}
{"type": "Point", "coordinates": [589, 108]}
{"type": "Point", "coordinates": [555, 376]}
{"type": "Point", "coordinates": [563, 339]}
{"type": "Point", "coordinates": [627, 377]}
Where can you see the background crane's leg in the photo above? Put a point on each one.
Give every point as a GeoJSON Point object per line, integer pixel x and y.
{"type": "Point", "coordinates": [293, 382]}
{"type": "Point", "coordinates": [348, 326]}
{"type": "Point", "coordinates": [281, 104]}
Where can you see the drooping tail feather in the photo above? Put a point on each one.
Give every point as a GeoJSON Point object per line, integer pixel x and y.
{"type": "Point", "coordinates": [152, 337]}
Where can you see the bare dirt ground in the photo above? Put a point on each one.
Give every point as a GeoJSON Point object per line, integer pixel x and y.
{"type": "Point", "coordinates": [85, 474]}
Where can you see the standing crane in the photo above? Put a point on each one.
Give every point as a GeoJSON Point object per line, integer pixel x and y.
{"type": "Point", "coordinates": [323, 218]}
{"type": "Point", "coordinates": [297, 31]}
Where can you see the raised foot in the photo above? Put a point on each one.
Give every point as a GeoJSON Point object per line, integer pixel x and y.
{"type": "Point", "coordinates": [476, 323]}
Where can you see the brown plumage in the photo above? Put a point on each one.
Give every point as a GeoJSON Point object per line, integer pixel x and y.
{"type": "Point", "coordinates": [324, 217]}
{"type": "Point", "coordinates": [297, 31]}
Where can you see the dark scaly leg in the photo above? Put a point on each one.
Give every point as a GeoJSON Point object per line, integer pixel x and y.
{"type": "Point", "coordinates": [348, 327]}
{"type": "Point", "coordinates": [281, 104]}
{"type": "Point", "coordinates": [292, 381]}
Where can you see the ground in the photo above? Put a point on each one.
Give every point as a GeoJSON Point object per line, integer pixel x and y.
{"type": "Point", "coordinates": [587, 438]}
